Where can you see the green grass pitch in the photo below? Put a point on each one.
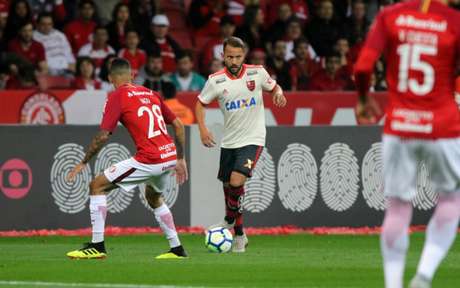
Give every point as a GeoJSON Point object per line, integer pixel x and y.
{"type": "Point", "coordinates": [271, 261]}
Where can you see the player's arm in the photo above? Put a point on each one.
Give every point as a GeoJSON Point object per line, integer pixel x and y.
{"type": "Point", "coordinates": [270, 85]}
{"type": "Point", "coordinates": [179, 140]}
{"type": "Point", "coordinates": [112, 113]}
{"type": "Point", "coordinates": [207, 95]}
{"type": "Point", "coordinates": [206, 137]}
{"type": "Point", "coordinates": [179, 137]}
{"type": "Point", "coordinates": [96, 145]}
{"type": "Point", "coordinates": [367, 109]}
{"type": "Point", "coordinates": [278, 96]}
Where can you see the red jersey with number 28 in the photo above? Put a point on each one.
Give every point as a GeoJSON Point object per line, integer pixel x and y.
{"type": "Point", "coordinates": [420, 41]}
{"type": "Point", "coordinates": [144, 114]}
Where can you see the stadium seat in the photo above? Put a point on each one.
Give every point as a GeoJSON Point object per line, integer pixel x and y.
{"type": "Point", "coordinates": [177, 19]}
{"type": "Point", "coordinates": [54, 82]}
{"type": "Point", "coordinates": [171, 5]}
{"type": "Point", "coordinates": [183, 37]}
{"type": "Point", "coordinates": [200, 41]}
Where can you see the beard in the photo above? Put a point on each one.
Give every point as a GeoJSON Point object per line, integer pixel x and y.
{"type": "Point", "coordinates": [234, 69]}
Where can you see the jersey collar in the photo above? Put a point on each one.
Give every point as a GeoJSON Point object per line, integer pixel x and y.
{"type": "Point", "coordinates": [240, 75]}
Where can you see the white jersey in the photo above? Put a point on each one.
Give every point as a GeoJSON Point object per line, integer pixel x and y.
{"type": "Point", "coordinates": [240, 100]}
{"type": "Point", "coordinates": [57, 49]}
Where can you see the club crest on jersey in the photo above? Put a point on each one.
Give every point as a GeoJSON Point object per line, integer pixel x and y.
{"type": "Point", "coordinates": [240, 104]}
{"type": "Point", "coordinates": [251, 85]}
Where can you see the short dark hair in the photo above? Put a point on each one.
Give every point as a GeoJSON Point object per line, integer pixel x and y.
{"type": "Point", "coordinates": [100, 27]}
{"type": "Point", "coordinates": [154, 53]}
{"type": "Point", "coordinates": [82, 3]}
{"type": "Point", "coordinates": [226, 20]}
{"type": "Point", "coordinates": [186, 53]}
{"type": "Point", "coordinates": [44, 15]}
{"type": "Point", "coordinates": [333, 54]}
{"type": "Point", "coordinates": [130, 30]}
{"type": "Point", "coordinates": [298, 42]}
{"type": "Point", "coordinates": [234, 42]}
{"type": "Point", "coordinates": [119, 66]}
{"type": "Point", "coordinates": [25, 23]}
{"type": "Point", "coordinates": [168, 89]}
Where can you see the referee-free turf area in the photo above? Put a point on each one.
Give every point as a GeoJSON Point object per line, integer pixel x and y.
{"type": "Point", "coordinates": [301, 260]}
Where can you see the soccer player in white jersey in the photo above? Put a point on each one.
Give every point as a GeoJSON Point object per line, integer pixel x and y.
{"type": "Point", "coordinates": [238, 88]}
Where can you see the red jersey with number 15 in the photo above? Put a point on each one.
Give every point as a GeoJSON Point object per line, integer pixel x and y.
{"type": "Point", "coordinates": [420, 41]}
{"type": "Point", "coordinates": [144, 114]}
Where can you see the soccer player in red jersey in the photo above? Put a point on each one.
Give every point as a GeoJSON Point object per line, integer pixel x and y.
{"type": "Point", "coordinates": [420, 40]}
{"type": "Point", "coordinates": [145, 116]}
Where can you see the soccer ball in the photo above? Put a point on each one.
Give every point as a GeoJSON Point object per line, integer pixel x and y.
{"type": "Point", "coordinates": [219, 240]}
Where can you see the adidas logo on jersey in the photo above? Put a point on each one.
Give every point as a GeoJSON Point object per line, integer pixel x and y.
{"type": "Point", "coordinates": [144, 100]}
{"type": "Point", "coordinates": [240, 104]}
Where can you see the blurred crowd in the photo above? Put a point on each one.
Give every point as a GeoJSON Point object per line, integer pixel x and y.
{"type": "Point", "coordinates": [304, 44]}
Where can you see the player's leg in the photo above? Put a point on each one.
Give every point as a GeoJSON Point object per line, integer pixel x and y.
{"type": "Point", "coordinates": [399, 171]}
{"type": "Point", "coordinates": [394, 240]}
{"type": "Point", "coordinates": [99, 187]}
{"type": "Point", "coordinates": [245, 161]}
{"type": "Point", "coordinates": [442, 228]}
{"type": "Point", "coordinates": [235, 198]}
{"type": "Point", "coordinates": [226, 163]}
{"type": "Point", "coordinates": [165, 219]}
{"type": "Point", "coordinates": [440, 234]}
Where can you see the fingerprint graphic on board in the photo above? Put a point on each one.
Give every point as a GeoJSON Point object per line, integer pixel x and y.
{"type": "Point", "coordinates": [339, 173]}
{"type": "Point", "coordinates": [260, 189]}
{"type": "Point", "coordinates": [70, 197]}
{"type": "Point", "coordinates": [118, 199]}
{"type": "Point", "coordinates": [297, 177]}
{"type": "Point", "coordinates": [426, 198]}
{"type": "Point", "coordinates": [170, 193]}
{"type": "Point", "coordinates": [372, 177]}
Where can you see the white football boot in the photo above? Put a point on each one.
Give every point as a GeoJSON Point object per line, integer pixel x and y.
{"type": "Point", "coordinates": [419, 282]}
{"type": "Point", "coordinates": [240, 242]}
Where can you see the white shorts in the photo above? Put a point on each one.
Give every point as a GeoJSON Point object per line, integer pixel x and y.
{"type": "Point", "coordinates": [402, 159]}
{"type": "Point", "coordinates": [129, 173]}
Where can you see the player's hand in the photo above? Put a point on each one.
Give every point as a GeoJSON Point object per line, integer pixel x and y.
{"type": "Point", "coordinates": [181, 171]}
{"type": "Point", "coordinates": [279, 100]}
{"type": "Point", "coordinates": [74, 172]}
{"type": "Point", "coordinates": [367, 111]}
{"type": "Point", "coordinates": [207, 138]}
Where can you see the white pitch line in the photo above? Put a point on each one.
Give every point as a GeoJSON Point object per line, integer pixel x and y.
{"type": "Point", "coordinates": [95, 285]}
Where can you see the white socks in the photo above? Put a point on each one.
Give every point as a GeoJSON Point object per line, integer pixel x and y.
{"type": "Point", "coordinates": [164, 217]}
{"type": "Point", "coordinates": [394, 241]}
{"type": "Point", "coordinates": [98, 210]}
{"type": "Point", "coordinates": [440, 234]}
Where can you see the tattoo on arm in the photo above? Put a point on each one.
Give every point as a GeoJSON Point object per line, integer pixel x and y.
{"type": "Point", "coordinates": [96, 145]}
{"type": "Point", "coordinates": [179, 138]}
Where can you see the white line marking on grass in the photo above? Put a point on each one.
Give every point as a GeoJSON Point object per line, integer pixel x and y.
{"type": "Point", "coordinates": [95, 285]}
